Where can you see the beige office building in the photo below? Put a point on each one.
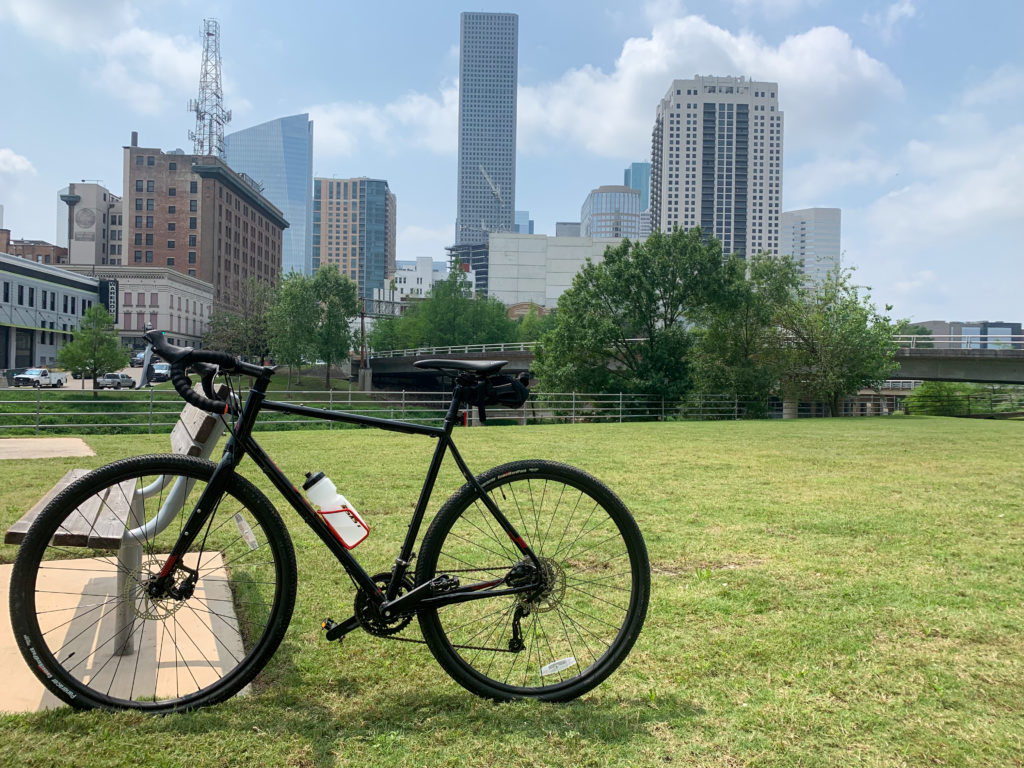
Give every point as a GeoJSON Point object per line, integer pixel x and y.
{"type": "Point", "coordinates": [354, 228]}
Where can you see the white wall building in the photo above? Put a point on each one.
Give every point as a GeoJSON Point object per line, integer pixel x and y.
{"type": "Point", "coordinates": [716, 162]}
{"type": "Point", "coordinates": [811, 236]}
{"type": "Point", "coordinates": [162, 297]}
{"type": "Point", "coordinates": [538, 268]}
{"type": "Point", "coordinates": [96, 220]}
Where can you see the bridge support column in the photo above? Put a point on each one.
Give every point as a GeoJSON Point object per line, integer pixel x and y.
{"type": "Point", "coordinates": [790, 407]}
{"type": "Point", "coordinates": [365, 380]}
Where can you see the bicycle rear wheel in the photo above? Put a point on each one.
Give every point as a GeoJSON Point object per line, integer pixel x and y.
{"type": "Point", "coordinates": [85, 622]}
{"type": "Point", "coordinates": [557, 645]}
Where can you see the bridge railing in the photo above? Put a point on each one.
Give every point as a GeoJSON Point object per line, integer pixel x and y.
{"type": "Point", "coordinates": [949, 341]}
{"type": "Point", "coordinates": [961, 341]}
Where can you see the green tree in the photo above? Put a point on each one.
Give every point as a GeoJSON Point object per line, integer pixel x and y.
{"type": "Point", "coordinates": [246, 330]}
{"type": "Point", "coordinates": [95, 349]}
{"type": "Point", "coordinates": [737, 350]}
{"type": "Point", "coordinates": [449, 316]}
{"type": "Point", "coordinates": [533, 325]}
{"type": "Point", "coordinates": [291, 320]}
{"type": "Point", "coordinates": [624, 323]}
{"type": "Point", "coordinates": [337, 304]}
{"type": "Point", "coordinates": [836, 342]}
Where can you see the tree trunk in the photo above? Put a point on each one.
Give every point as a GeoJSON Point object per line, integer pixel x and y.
{"type": "Point", "coordinates": [836, 405]}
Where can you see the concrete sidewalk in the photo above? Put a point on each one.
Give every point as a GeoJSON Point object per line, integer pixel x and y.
{"type": "Point", "coordinates": [43, 447]}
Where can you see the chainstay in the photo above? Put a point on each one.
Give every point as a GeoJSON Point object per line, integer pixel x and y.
{"type": "Point", "coordinates": [464, 647]}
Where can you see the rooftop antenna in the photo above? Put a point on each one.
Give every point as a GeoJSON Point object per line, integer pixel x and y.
{"type": "Point", "coordinates": [211, 117]}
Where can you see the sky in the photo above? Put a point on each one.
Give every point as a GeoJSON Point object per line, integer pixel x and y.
{"type": "Point", "coordinates": [906, 114]}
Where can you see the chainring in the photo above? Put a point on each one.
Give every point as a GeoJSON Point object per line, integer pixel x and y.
{"type": "Point", "coordinates": [373, 622]}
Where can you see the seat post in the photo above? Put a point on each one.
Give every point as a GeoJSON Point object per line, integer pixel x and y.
{"type": "Point", "coordinates": [452, 416]}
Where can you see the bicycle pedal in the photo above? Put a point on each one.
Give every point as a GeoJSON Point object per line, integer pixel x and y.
{"type": "Point", "coordinates": [332, 628]}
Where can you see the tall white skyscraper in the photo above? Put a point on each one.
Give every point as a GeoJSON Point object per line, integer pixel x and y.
{"type": "Point", "coordinates": [716, 162]}
{"type": "Point", "coordinates": [811, 237]}
{"type": "Point", "coordinates": [488, 76]}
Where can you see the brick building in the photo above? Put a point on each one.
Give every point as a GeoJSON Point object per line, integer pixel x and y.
{"type": "Point", "coordinates": [193, 214]}
{"type": "Point", "coordinates": [39, 251]}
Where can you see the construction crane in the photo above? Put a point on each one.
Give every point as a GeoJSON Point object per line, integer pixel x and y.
{"type": "Point", "coordinates": [496, 191]}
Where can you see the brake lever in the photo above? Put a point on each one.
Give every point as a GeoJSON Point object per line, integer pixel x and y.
{"type": "Point", "coordinates": [206, 373]}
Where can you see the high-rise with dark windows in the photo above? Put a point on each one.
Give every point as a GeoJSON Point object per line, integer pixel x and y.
{"type": "Point", "coordinates": [716, 162]}
{"type": "Point", "coordinates": [488, 75]}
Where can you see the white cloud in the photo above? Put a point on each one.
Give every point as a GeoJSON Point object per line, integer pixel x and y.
{"type": "Point", "coordinates": [816, 182]}
{"type": "Point", "coordinates": [416, 241]}
{"type": "Point", "coordinates": [412, 120]}
{"type": "Point", "coordinates": [955, 188]}
{"type": "Point", "coordinates": [147, 69]}
{"type": "Point", "coordinates": [13, 163]}
{"type": "Point", "coordinates": [887, 23]}
{"type": "Point", "coordinates": [1005, 85]}
{"type": "Point", "coordinates": [829, 88]}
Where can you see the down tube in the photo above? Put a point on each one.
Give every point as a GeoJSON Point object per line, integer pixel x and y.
{"type": "Point", "coordinates": [300, 505]}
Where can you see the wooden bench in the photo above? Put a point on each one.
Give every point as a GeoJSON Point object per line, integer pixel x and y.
{"type": "Point", "coordinates": [100, 523]}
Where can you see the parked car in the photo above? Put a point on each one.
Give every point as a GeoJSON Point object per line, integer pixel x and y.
{"type": "Point", "coordinates": [115, 381]}
{"type": "Point", "coordinates": [136, 361]}
{"type": "Point", "coordinates": [161, 372]}
{"type": "Point", "coordinates": [40, 377]}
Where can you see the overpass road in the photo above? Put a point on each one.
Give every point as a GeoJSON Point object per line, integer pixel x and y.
{"type": "Point", "coordinates": [995, 360]}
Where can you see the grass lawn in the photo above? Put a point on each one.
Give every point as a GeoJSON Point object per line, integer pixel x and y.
{"type": "Point", "coordinates": [841, 592]}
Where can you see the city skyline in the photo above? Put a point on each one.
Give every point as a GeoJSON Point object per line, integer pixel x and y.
{"type": "Point", "coordinates": [906, 115]}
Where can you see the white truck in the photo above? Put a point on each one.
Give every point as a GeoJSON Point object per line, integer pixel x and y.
{"type": "Point", "coordinates": [40, 377]}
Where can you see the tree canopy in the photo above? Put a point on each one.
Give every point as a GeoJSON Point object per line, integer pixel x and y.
{"type": "Point", "coordinates": [450, 315]}
{"type": "Point", "coordinates": [738, 348]}
{"type": "Point", "coordinates": [95, 349]}
{"type": "Point", "coordinates": [836, 342]}
{"type": "Point", "coordinates": [625, 323]}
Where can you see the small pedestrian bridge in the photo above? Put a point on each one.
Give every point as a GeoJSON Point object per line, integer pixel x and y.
{"type": "Point", "coordinates": [988, 359]}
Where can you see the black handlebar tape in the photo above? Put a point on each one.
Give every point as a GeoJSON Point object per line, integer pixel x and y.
{"type": "Point", "coordinates": [183, 385]}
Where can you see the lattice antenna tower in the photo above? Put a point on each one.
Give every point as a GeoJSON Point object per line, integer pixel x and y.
{"type": "Point", "coordinates": [211, 117]}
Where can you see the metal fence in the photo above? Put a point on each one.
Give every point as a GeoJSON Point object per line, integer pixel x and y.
{"type": "Point", "coordinates": [156, 411]}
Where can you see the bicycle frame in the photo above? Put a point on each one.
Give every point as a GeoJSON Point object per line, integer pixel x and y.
{"type": "Point", "coordinates": [387, 602]}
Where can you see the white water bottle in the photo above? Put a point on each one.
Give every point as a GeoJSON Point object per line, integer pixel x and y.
{"type": "Point", "coordinates": [345, 523]}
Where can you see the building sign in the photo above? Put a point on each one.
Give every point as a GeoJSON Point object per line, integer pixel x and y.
{"type": "Point", "coordinates": [108, 296]}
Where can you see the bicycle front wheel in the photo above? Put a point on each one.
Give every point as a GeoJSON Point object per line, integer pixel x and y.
{"type": "Point", "coordinates": [91, 631]}
{"type": "Point", "coordinates": [558, 644]}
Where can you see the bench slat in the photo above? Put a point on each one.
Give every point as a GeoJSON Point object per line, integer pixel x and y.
{"type": "Point", "coordinates": [17, 532]}
{"type": "Point", "coordinates": [112, 520]}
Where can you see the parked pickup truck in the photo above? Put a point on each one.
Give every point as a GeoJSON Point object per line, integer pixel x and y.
{"type": "Point", "coordinates": [114, 381]}
{"type": "Point", "coordinates": [40, 377]}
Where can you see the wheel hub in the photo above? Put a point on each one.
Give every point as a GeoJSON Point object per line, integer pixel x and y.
{"type": "Point", "coordinates": [551, 596]}
{"type": "Point", "coordinates": [137, 595]}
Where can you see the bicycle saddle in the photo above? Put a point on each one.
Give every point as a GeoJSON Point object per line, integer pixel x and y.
{"type": "Point", "coordinates": [479, 367]}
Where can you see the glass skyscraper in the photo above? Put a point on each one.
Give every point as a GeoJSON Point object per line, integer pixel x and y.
{"type": "Point", "coordinates": [638, 177]}
{"type": "Point", "coordinates": [488, 76]}
{"type": "Point", "coordinates": [611, 211]}
{"type": "Point", "coordinates": [279, 155]}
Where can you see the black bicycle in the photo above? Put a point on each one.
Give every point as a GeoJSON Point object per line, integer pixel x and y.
{"type": "Point", "coordinates": [532, 581]}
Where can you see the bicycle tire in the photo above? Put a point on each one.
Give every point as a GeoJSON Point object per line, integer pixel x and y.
{"type": "Point", "coordinates": [166, 654]}
{"type": "Point", "coordinates": [577, 633]}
